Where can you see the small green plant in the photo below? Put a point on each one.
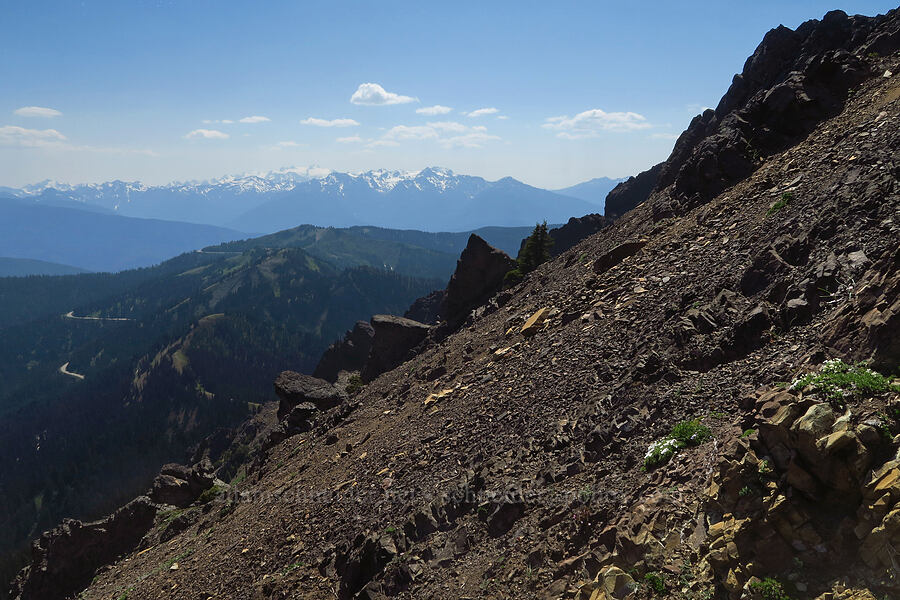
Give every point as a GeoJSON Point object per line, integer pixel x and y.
{"type": "Point", "coordinates": [683, 434]}
{"type": "Point", "coordinates": [873, 56]}
{"type": "Point", "coordinates": [718, 415]}
{"type": "Point", "coordinates": [586, 494]}
{"type": "Point", "coordinates": [390, 530]}
{"type": "Point", "coordinates": [837, 381]}
{"type": "Point", "coordinates": [770, 589]}
{"type": "Point", "coordinates": [354, 384]}
{"type": "Point", "coordinates": [764, 467]}
{"type": "Point", "coordinates": [209, 494]}
{"type": "Point", "coordinates": [291, 568]}
{"type": "Point", "coordinates": [786, 198]}
{"type": "Point", "coordinates": [656, 582]}
{"type": "Point", "coordinates": [747, 433]}
{"type": "Point", "coordinates": [745, 491]}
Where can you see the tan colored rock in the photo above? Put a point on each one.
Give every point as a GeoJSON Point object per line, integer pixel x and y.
{"type": "Point", "coordinates": [837, 441]}
{"type": "Point", "coordinates": [534, 322]}
{"type": "Point", "coordinates": [817, 421]}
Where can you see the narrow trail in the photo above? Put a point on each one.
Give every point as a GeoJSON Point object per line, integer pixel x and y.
{"type": "Point", "coordinates": [64, 369]}
{"type": "Point", "coordinates": [71, 315]}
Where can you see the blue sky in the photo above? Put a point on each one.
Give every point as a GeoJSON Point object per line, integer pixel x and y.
{"type": "Point", "coordinates": [156, 90]}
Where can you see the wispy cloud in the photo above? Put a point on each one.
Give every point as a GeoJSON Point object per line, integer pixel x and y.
{"type": "Point", "coordinates": [208, 134]}
{"type": "Point", "coordinates": [372, 94]}
{"type": "Point", "coordinates": [431, 111]}
{"type": "Point", "coordinates": [217, 121]}
{"type": "Point", "coordinates": [591, 123]}
{"type": "Point", "coordinates": [37, 111]}
{"type": "Point", "coordinates": [449, 134]}
{"type": "Point", "coordinates": [502, 117]}
{"type": "Point", "coordinates": [329, 123]}
{"type": "Point", "coordinates": [352, 139]}
{"type": "Point", "coordinates": [254, 119]}
{"type": "Point", "coordinates": [481, 112]}
{"type": "Point", "coordinates": [10, 135]}
{"type": "Point", "coordinates": [288, 144]}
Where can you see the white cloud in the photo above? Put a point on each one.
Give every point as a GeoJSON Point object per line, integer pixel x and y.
{"type": "Point", "coordinates": [450, 126]}
{"type": "Point", "coordinates": [10, 135]}
{"type": "Point", "coordinates": [474, 139]}
{"type": "Point", "coordinates": [591, 123]}
{"type": "Point", "coordinates": [448, 134]}
{"type": "Point", "coordinates": [431, 111]}
{"type": "Point", "coordinates": [482, 112]}
{"type": "Point", "coordinates": [353, 139]}
{"type": "Point", "coordinates": [664, 136]}
{"type": "Point", "coordinates": [288, 144]}
{"type": "Point", "coordinates": [255, 119]}
{"type": "Point", "coordinates": [326, 123]}
{"type": "Point", "coordinates": [37, 111]}
{"type": "Point", "coordinates": [372, 94]}
{"type": "Point", "coordinates": [502, 117]}
{"type": "Point", "coordinates": [209, 134]}
{"type": "Point", "coordinates": [222, 121]}
{"type": "Point", "coordinates": [410, 132]}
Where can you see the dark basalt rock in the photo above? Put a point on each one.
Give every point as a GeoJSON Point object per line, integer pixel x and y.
{"type": "Point", "coordinates": [576, 230]}
{"type": "Point", "coordinates": [478, 276]}
{"type": "Point", "coordinates": [427, 309]}
{"type": "Point", "coordinates": [631, 192]}
{"type": "Point", "coordinates": [65, 558]}
{"type": "Point", "coordinates": [295, 388]}
{"type": "Point", "coordinates": [179, 485]}
{"type": "Point", "coordinates": [395, 338]}
{"type": "Point", "coordinates": [610, 259]}
{"type": "Point", "coordinates": [346, 354]}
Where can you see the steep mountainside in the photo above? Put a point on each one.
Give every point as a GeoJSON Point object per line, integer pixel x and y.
{"type": "Point", "coordinates": [669, 407]}
{"type": "Point", "coordinates": [94, 240]}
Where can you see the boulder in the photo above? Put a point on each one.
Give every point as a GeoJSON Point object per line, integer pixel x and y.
{"type": "Point", "coordinates": [65, 559]}
{"type": "Point", "coordinates": [428, 309]}
{"type": "Point", "coordinates": [295, 388]}
{"type": "Point", "coordinates": [395, 338]}
{"type": "Point", "coordinates": [616, 255]}
{"type": "Point", "coordinates": [180, 485]}
{"type": "Point", "coordinates": [479, 275]}
{"type": "Point", "coordinates": [347, 354]}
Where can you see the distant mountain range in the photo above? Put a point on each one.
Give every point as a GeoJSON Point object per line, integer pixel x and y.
{"type": "Point", "coordinates": [593, 191]}
{"type": "Point", "coordinates": [433, 199]}
{"type": "Point", "coordinates": [96, 241]}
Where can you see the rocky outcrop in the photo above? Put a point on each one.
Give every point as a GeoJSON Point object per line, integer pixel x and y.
{"type": "Point", "coordinates": [395, 338]}
{"type": "Point", "coordinates": [631, 192]}
{"type": "Point", "coordinates": [576, 230]}
{"type": "Point", "coordinates": [64, 559]}
{"type": "Point", "coordinates": [478, 276]}
{"type": "Point", "coordinates": [294, 388]}
{"type": "Point", "coordinates": [179, 485]}
{"type": "Point", "coordinates": [347, 354]}
{"type": "Point", "coordinates": [428, 309]}
{"type": "Point", "coordinates": [792, 82]}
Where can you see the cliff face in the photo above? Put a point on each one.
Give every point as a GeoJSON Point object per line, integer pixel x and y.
{"type": "Point", "coordinates": [792, 82]}
{"type": "Point", "coordinates": [670, 404]}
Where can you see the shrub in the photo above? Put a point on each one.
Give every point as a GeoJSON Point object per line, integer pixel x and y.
{"type": "Point", "coordinates": [354, 384]}
{"type": "Point", "coordinates": [770, 589]}
{"type": "Point", "coordinates": [536, 249]}
{"type": "Point", "coordinates": [684, 434]}
{"type": "Point", "coordinates": [512, 278]}
{"type": "Point", "coordinates": [209, 494]}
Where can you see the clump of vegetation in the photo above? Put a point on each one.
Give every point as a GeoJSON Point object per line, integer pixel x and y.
{"type": "Point", "coordinates": [786, 198]}
{"type": "Point", "coordinates": [770, 589]}
{"type": "Point", "coordinates": [354, 384]}
{"type": "Point", "coordinates": [656, 582]}
{"type": "Point", "coordinates": [837, 381]}
{"type": "Point", "coordinates": [534, 253]}
{"type": "Point", "coordinates": [745, 491]}
{"type": "Point", "coordinates": [684, 434]}
{"type": "Point", "coordinates": [209, 494]}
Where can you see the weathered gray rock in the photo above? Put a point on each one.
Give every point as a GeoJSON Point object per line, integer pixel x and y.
{"type": "Point", "coordinates": [479, 275]}
{"type": "Point", "coordinates": [180, 485]}
{"type": "Point", "coordinates": [346, 354]}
